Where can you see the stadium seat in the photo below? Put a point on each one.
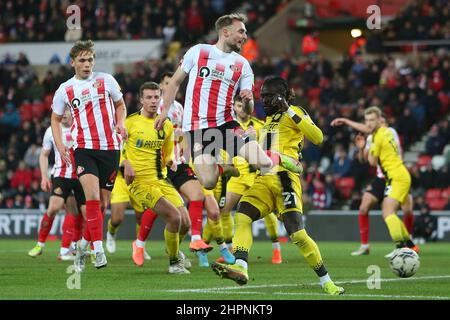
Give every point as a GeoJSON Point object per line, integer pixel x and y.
{"type": "Point", "coordinates": [345, 186]}
{"type": "Point", "coordinates": [445, 193]}
{"type": "Point", "coordinates": [424, 160]}
{"type": "Point", "coordinates": [38, 109]}
{"type": "Point", "coordinates": [438, 162]}
{"type": "Point", "coordinates": [437, 204]}
{"type": "Point", "coordinates": [25, 112]}
{"type": "Point", "coordinates": [433, 193]}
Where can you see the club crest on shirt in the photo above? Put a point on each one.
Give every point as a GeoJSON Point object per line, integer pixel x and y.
{"type": "Point", "coordinates": [235, 68]}
{"type": "Point", "coordinates": [97, 84]}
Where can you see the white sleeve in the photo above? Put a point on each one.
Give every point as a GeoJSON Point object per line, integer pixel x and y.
{"type": "Point", "coordinates": [368, 143]}
{"type": "Point", "coordinates": [114, 88]}
{"type": "Point", "coordinates": [189, 60]}
{"type": "Point", "coordinates": [247, 78]}
{"type": "Point", "coordinates": [47, 142]}
{"type": "Point", "coordinates": [59, 101]}
{"type": "Point", "coordinates": [397, 140]}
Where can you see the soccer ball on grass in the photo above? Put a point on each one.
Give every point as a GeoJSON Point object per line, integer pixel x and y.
{"type": "Point", "coordinates": [404, 262]}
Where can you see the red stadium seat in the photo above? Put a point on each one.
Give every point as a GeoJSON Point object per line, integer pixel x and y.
{"type": "Point", "coordinates": [38, 109]}
{"type": "Point", "coordinates": [437, 204]}
{"type": "Point", "coordinates": [424, 160]}
{"type": "Point", "coordinates": [26, 112]}
{"type": "Point", "coordinates": [433, 194]}
{"type": "Point", "coordinates": [345, 186]}
{"type": "Point", "coordinates": [445, 193]}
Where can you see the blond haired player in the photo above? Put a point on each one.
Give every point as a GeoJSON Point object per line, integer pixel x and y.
{"type": "Point", "coordinates": [285, 129]}
{"type": "Point", "coordinates": [384, 151]}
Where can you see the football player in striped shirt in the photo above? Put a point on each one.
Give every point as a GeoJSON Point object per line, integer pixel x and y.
{"type": "Point", "coordinates": [64, 185]}
{"type": "Point", "coordinates": [98, 112]}
{"type": "Point", "coordinates": [216, 72]}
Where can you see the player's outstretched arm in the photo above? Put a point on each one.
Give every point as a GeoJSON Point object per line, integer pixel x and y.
{"type": "Point", "coordinates": [169, 96]}
{"type": "Point", "coordinates": [57, 136]}
{"type": "Point", "coordinates": [353, 124]}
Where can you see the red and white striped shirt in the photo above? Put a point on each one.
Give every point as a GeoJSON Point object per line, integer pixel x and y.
{"type": "Point", "coordinates": [175, 115]}
{"type": "Point", "coordinates": [60, 168]}
{"type": "Point", "coordinates": [214, 77]}
{"type": "Point", "coordinates": [93, 112]}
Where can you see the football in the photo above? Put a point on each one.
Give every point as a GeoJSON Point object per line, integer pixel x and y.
{"type": "Point", "coordinates": [404, 262]}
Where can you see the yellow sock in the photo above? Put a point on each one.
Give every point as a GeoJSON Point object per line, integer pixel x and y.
{"type": "Point", "coordinates": [271, 222]}
{"type": "Point", "coordinates": [308, 249]}
{"type": "Point", "coordinates": [217, 231]}
{"type": "Point", "coordinates": [111, 229]}
{"type": "Point", "coordinates": [243, 237]}
{"type": "Point", "coordinates": [226, 220]}
{"type": "Point", "coordinates": [207, 232]}
{"type": "Point", "coordinates": [138, 227]}
{"type": "Point", "coordinates": [394, 225]}
{"type": "Point", "coordinates": [172, 245]}
{"type": "Point", "coordinates": [181, 237]}
{"type": "Point", "coordinates": [405, 232]}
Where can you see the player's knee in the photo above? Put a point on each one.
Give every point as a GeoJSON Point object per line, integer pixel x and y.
{"type": "Point", "coordinates": [299, 237]}
{"type": "Point", "coordinates": [293, 222]}
{"type": "Point", "coordinates": [117, 220]}
{"type": "Point", "coordinates": [53, 209]}
{"type": "Point", "coordinates": [364, 209]}
{"type": "Point", "coordinates": [209, 183]}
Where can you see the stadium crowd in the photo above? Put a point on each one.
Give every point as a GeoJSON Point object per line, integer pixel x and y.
{"type": "Point", "coordinates": [414, 94]}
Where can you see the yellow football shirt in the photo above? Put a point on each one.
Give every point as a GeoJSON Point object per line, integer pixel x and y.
{"type": "Point", "coordinates": [385, 148]}
{"type": "Point", "coordinates": [282, 134]}
{"type": "Point", "coordinates": [148, 150]}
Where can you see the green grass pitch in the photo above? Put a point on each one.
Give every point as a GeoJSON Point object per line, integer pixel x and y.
{"type": "Point", "coordinates": [22, 277]}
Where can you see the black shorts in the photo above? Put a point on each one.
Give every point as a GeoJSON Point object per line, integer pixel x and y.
{"type": "Point", "coordinates": [376, 187]}
{"type": "Point", "coordinates": [101, 163]}
{"type": "Point", "coordinates": [229, 137]}
{"type": "Point", "coordinates": [183, 174]}
{"type": "Point", "coordinates": [63, 187]}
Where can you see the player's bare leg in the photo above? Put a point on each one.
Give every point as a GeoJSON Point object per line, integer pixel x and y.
{"type": "Point", "coordinates": [367, 202]}
{"type": "Point", "coordinates": [95, 201]}
{"type": "Point", "coordinates": [192, 190]}
{"type": "Point", "coordinates": [408, 214]}
{"type": "Point", "coordinates": [397, 229]}
{"type": "Point", "coordinates": [216, 232]}
{"type": "Point", "coordinates": [207, 170]}
{"type": "Point", "coordinates": [173, 220]}
{"type": "Point", "coordinates": [117, 217]}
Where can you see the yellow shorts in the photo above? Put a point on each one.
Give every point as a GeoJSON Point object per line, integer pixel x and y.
{"type": "Point", "coordinates": [146, 193]}
{"type": "Point", "coordinates": [120, 191]}
{"type": "Point", "coordinates": [218, 192]}
{"type": "Point", "coordinates": [281, 192]}
{"type": "Point", "coordinates": [240, 185]}
{"type": "Point", "coordinates": [398, 187]}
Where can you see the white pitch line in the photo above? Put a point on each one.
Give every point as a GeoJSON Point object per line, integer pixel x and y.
{"type": "Point", "coordinates": [365, 295]}
{"type": "Point", "coordinates": [224, 289]}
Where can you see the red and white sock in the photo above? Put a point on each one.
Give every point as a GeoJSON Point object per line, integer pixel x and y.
{"type": "Point", "coordinates": [408, 219]}
{"type": "Point", "coordinates": [44, 229]}
{"type": "Point", "coordinates": [196, 216]}
{"type": "Point", "coordinates": [148, 218]}
{"type": "Point", "coordinates": [94, 219]}
{"type": "Point", "coordinates": [67, 230]}
{"type": "Point", "coordinates": [364, 228]}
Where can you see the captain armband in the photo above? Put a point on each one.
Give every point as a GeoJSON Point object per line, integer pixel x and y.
{"type": "Point", "coordinates": [293, 115]}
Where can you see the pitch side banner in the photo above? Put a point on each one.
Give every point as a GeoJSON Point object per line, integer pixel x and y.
{"type": "Point", "coordinates": [107, 53]}
{"type": "Point", "coordinates": [321, 225]}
